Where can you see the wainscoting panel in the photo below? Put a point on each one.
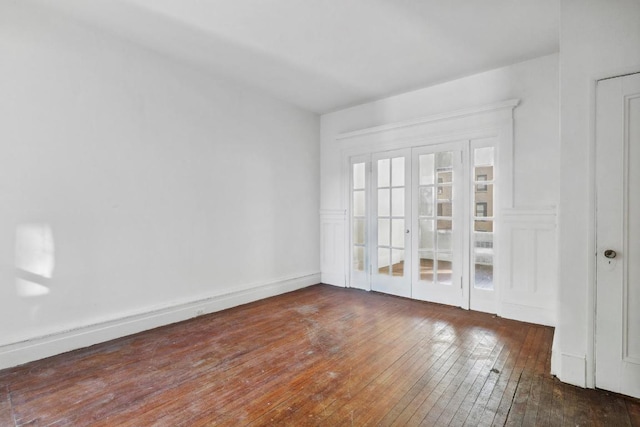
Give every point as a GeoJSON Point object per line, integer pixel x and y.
{"type": "Point", "coordinates": [528, 260]}
{"type": "Point", "coordinates": [332, 250]}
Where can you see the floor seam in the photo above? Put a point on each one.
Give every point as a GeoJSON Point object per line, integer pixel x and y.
{"type": "Point", "coordinates": [513, 398]}
{"type": "Point", "coordinates": [13, 413]}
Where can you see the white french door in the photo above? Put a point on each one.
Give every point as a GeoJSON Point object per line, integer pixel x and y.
{"type": "Point", "coordinates": [422, 223]}
{"type": "Point", "coordinates": [391, 202]}
{"type": "Point", "coordinates": [438, 218]}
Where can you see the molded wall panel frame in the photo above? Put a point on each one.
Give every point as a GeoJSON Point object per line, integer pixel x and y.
{"type": "Point", "coordinates": [332, 233]}
{"type": "Point", "coordinates": [529, 262]}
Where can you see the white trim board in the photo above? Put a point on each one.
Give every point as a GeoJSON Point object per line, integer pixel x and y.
{"type": "Point", "coordinates": [528, 313]}
{"type": "Point", "coordinates": [510, 104]}
{"type": "Point", "coordinates": [574, 369]}
{"type": "Point", "coordinates": [18, 353]}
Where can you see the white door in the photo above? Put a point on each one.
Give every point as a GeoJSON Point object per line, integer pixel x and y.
{"type": "Point", "coordinates": [618, 235]}
{"type": "Point", "coordinates": [391, 205]}
{"type": "Point", "coordinates": [438, 221]}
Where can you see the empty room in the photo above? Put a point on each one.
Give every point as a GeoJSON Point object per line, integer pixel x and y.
{"type": "Point", "coordinates": [286, 212]}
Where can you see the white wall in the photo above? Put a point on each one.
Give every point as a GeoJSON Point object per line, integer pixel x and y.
{"type": "Point", "coordinates": [599, 39]}
{"type": "Point", "coordinates": [536, 161]}
{"type": "Point", "coordinates": [160, 185]}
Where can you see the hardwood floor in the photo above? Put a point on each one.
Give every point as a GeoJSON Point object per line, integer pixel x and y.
{"type": "Point", "coordinates": [319, 356]}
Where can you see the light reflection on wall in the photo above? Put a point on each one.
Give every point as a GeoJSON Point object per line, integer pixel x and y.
{"type": "Point", "coordinates": [35, 259]}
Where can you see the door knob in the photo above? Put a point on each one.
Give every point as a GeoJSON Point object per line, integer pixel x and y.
{"type": "Point", "coordinates": [610, 253]}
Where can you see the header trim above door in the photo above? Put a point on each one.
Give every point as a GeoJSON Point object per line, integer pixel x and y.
{"type": "Point", "coordinates": [508, 104]}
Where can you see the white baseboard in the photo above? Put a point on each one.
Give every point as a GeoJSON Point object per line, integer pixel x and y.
{"type": "Point", "coordinates": [333, 279]}
{"type": "Point", "coordinates": [14, 354]}
{"type": "Point", "coordinates": [555, 355]}
{"type": "Point", "coordinates": [573, 369]}
{"type": "Point", "coordinates": [526, 313]}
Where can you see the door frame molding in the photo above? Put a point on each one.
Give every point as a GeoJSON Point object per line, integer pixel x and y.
{"type": "Point", "coordinates": [487, 121]}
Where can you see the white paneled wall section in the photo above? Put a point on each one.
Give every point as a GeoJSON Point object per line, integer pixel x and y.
{"type": "Point", "coordinates": [529, 263]}
{"type": "Point", "coordinates": [332, 235]}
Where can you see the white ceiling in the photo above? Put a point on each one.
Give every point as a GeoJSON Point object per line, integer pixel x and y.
{"type": "Point", "coordinates": [324, 55]}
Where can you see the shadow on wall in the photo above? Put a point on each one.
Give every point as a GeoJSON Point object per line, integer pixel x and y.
{"type": "Point", "coordinates": [35, 259]}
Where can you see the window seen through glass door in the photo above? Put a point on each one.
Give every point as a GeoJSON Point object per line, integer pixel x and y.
{"type": "Point", "coordinates": [391, 216]}
{"type": "Point", "coordinates": [483, 232]}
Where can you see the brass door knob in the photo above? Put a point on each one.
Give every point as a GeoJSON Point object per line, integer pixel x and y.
{"type": "Point", "coordinates": [610, 253]}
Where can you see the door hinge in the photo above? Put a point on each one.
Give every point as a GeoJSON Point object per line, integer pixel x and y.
{"type": "Point", "coordinates": [460, 282]}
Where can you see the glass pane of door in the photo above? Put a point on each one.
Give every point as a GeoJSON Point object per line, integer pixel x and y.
{"type": "Point", "coordinates": [358, 216]}
{"type": "Point", "coordinates": [391, 215]}
{"type": "Point", "coordinates": [435, 216]}
{"type": "Point", "coordinates": [483, 219]}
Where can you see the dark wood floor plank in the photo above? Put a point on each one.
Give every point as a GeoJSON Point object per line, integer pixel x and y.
{"type": "Point", "coordinates": [453, 395]}
{"type": "Point", "coordinates": [431, 388]}
{"type": "Point", "coordinates": [558, 402]}
{"type": "Point", "coordinates": [254, 374]}
{"type": "Point", "coordinates": [403, 382]}
{"type": "Point", "coordinates": [319, 356]}
{"type": "Point", "coordinates": [606, 409]}
{"type": "Point", "coordinates": [525, 390]}
{"type": "Point", "coordinates": [479, 405]}
{"type": "Point", "coordinates": [316, 347]}
{"type": "Point", "coordinates": [6, 412]}
{"type": "Point", "coordinates": [386, 339]}
{"type": "Point", "coordinates": [389, 383]}
{"type": "Point", "coordinates": [519, 380]}
{"type": "Point", "coordinates": [537, 411]}
{"type": "Point", "coordinates": [581, 403]}
{"type": "Point", "coordinates": [157, 352]}
{"type": "Point", "coordinates": [633, 409]}
{"type": "Point", "coordinates": [362, 391]}
{"type": "Point", "coordinates": [505, 388]}
{"type": "Point", "coordinates": [444, 353]}
{"type": "Point", "coordinates": [344, 383]}
{"type": "Point", "coordinates": [458, 408]}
